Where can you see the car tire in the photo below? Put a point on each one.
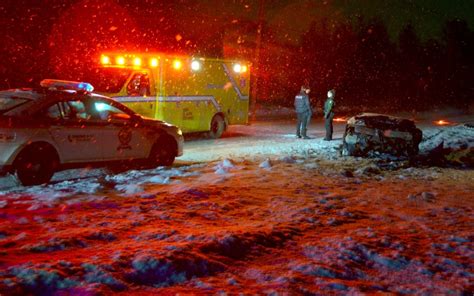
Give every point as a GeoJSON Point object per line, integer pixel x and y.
{"type": "Point", "coordinates": [217, 127]}
{"type": "Point", "coordinates": [348, 150]}
{"type": "Point", "coordinates": [163, 152]}
{"type": "Point", "coordinates": [36, 165]}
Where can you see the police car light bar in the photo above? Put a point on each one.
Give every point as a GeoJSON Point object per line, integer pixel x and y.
{"type": "Point", "coordinates": [54, 84]}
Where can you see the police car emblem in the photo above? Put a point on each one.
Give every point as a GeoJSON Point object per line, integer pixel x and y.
{"type": "Point", "coordinates": [125, 137]}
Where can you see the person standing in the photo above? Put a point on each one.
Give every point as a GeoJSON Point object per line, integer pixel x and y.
{"type": "Point", "coordinates": [303, 112]}
{"type": "Point", "coordinates": [329, 114]}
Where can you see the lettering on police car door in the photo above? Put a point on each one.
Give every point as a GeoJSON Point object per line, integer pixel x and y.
{"type": "Point", "coordinates": [81, 138]}
{"type": "Point", "coordinates": [125, 137]}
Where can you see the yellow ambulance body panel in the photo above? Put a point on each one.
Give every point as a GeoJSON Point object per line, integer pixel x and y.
{"type": "Point", "coordinates": [196, 94]}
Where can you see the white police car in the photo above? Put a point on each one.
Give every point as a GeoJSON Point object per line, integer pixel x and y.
{"type": "Point", "coordinates": [63, 124]}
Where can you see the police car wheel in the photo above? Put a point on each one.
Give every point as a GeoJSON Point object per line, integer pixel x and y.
{"type": "Point", "coordinates": [35, 165]}
{"type": "Point", "coordinates": [164, 152]}
{"type": "Point", "coordinates": [217, 127]}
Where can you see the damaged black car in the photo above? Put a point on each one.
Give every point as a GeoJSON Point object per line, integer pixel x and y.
{"type": "Point", "coordinates": [369, 132]}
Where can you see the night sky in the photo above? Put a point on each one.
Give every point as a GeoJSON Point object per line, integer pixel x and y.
{"type": "Point", "coordinates": [52, 37]}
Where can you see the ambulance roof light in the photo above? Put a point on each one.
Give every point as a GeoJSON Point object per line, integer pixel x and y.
{"type": "Point", "coordinates": [53, 84]}
{"type": "Point", "coordinates": [137, 62]}
{"type": "Point", "coordinates": [154, 62]}
{"type": "Point", "coordinates": [237, 68]}
{"type": "Point", "coordinates": [105, 60]}
{"type": "Point", "coordinates": [120, 60]}
{"type": "Point", "coordinates": [177, 64]}
{"type": "Point", "coordinates": [195, 65]}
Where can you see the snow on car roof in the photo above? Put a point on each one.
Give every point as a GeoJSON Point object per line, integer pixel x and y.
{"type": "Point", "coordinates": [20, 93]}
{"type": "Point", "coordinates": [368, 114]}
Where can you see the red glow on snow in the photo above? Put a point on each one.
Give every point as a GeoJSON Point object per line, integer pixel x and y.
{"type": "Point", "coordinates": [443, 122]}
{"type": "Point", "coordinates": [340, 119]}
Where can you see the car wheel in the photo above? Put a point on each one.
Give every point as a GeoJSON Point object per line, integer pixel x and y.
{"type": "Point", "coordinates": [217, 127]}
{"type": "Point", "coordinates": [348, 149]}
{"type": "Point", "coordinates": [164, 152]}
{"type": "Point", "coordinates": [36, 165]}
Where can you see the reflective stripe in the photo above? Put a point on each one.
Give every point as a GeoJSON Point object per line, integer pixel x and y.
{"type": "Point", "coordinates": [234, 83]}
{"type": "Point", "coordinates": [211, 99]}
{"type": "Point", "coordinates": [134, 99]}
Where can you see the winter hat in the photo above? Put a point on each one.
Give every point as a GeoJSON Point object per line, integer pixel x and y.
{"type": "Point", "coordinates": [331, 93]}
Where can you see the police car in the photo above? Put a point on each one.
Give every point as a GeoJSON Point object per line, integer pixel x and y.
{"type": "Point", "coordinates": [63, 124]}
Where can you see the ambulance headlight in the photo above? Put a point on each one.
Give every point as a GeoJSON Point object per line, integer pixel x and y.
{"type": "Point", "coordinates": [237, 68]}
{"type": "Point", "coordinates": [195, 65]}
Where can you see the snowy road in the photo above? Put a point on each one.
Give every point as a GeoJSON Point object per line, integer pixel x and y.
{"type": "Point", "coordinates": [261, 139]}
{"type": "Point", "coordinates": [257, 212]}
{"type": "Point", "coordinates": [264, 138]}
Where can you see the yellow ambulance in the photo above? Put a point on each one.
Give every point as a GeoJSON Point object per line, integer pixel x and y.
{"type": "Point", "coordinates": [195, 94]}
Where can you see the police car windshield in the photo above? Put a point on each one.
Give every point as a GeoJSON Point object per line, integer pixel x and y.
{"type": "Point", "coordinates": [108, 80]}
{"type": "Point", "coordinates": [10, 103]}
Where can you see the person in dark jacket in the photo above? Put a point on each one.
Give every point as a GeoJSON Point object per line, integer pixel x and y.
{"type": "Point", "coordinates": [329, 114]}
{"type": "Point", "coordinates": [303, 112]}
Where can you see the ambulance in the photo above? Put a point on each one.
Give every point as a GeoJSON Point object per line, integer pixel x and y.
{"type": "Point", "coordinates": [195, 94]}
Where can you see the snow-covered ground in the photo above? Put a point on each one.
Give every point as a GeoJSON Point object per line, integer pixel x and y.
{"type": "Point", "coordinates": [256, 212]}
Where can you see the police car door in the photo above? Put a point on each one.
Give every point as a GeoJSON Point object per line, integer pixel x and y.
{"type": "Point", "coordinates": [76, 134]}
{"type": "Point", "coordinates": [125, 138]}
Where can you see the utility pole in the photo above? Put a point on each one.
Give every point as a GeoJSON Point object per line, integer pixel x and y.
{"type": "Point", "coordinates": [256, 68]}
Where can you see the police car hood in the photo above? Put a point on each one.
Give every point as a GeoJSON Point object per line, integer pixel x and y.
{"type": "Point", "coordinates": [158, 123]}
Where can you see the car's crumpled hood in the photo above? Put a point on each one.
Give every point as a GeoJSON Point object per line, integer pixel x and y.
{"type": "Point", "coordinates": [382, 122]}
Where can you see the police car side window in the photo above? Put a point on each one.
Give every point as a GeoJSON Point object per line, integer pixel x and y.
{"type": "Point", "coordinates": [78, 110]}
{"type": "Point", "coordinates": [110, 113]}
{"type": "Point", "coordinates": [70, 110]}
{"type": "Point", "coordinates": [66, 110]}
{"type": "Point", "coordinates": [54, 112]}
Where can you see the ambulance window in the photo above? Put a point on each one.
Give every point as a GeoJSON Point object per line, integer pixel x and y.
{"type": "Point", "coordinates": [139, 85]}
{"type": "Point", "coordinates": [108, 80]}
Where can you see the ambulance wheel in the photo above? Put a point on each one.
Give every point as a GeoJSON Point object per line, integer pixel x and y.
{"type": "Point", "coordinates": [164, 152]}
{"type": "Point", "coordinates": [217, 127]}
{"type": "Point", "coordinates": [36, 164]}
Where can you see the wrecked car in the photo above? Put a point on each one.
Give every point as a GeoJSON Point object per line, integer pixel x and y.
{"type": "Point", "coordinates": [367, 133]}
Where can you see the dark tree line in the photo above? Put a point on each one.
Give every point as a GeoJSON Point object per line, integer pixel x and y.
{"type": "Point", "coordinates": [371, 71]}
